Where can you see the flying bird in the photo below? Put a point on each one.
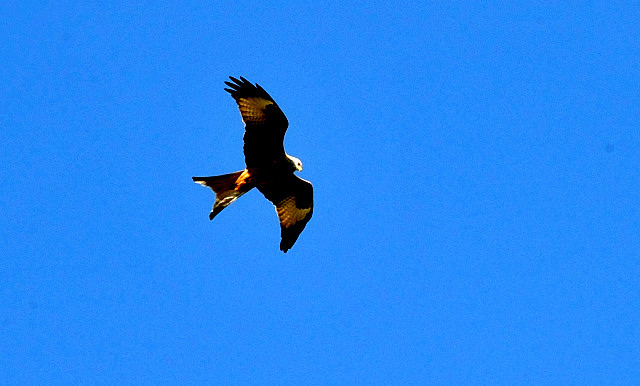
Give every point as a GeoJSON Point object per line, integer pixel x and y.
{"type": "Point", "coordinates": [268, 167]}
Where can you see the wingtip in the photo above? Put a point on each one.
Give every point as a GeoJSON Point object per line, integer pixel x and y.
{"type": "Point", "coordinates": [284, 248]}
{"type": "Point", "coordinates": [239, 82]}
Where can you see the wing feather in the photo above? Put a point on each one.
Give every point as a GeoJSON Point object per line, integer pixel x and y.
{"type": "Point", "coordinates": [293, 199]}
{"type": "Point", "coordinates": [265, 124]}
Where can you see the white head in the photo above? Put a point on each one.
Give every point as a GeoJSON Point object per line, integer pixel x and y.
{"type": "Point", "coordinates": [295, 162]}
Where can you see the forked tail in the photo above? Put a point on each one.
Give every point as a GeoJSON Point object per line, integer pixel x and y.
{"type": "Point", "coordinates": [227, 187]}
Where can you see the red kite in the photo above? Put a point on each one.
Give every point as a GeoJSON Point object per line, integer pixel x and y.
{"type": "Point", "coordinates": [269, 167]}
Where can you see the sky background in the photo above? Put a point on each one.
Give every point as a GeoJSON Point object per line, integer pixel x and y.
{"type": "Point", "coordinates": [476, 169]}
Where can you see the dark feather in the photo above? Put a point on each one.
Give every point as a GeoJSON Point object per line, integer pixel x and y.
{"type": "Point", "coordinates": [293, 199]}
{"type": "Point", "coordinates": [265, 123]}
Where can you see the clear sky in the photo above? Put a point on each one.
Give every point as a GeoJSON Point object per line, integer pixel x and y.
{"type": "Point", "coordinates": [476, 169]}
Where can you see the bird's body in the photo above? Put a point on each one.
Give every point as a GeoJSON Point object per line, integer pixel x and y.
{"type": "Point", "coordinates": [268, 167]}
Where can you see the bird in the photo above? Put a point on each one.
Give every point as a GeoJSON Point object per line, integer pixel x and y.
{"type": "Point", "coordinates": [268, 167]}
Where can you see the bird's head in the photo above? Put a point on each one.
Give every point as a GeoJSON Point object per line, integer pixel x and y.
{"type": "Point", "coordinates": [295, 162]}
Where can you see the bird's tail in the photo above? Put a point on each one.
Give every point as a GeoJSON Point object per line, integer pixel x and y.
{"type": "Point", "coordinates": [227, 187]}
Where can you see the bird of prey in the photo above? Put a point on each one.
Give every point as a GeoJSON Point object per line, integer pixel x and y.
{"type": "Point", "coordinates": [268, 167]}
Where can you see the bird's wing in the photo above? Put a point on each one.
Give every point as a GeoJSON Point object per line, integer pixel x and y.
{"type": "Point", "coordinates": [265, 124]}
{"type": "Point", "coordinates": [293, 199]}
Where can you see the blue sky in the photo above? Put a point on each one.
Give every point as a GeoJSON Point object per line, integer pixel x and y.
{"type": "Point", "coordinates": [475, 168]}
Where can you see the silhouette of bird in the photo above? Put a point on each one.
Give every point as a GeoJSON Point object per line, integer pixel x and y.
{"type": "Point", "coordinates": [268, 167]}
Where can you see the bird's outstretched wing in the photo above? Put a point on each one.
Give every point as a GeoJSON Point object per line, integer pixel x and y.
{"type": "Point", "coordinates": [265, 124]}
{"type": "Point", "coordinates": [293, 199]}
